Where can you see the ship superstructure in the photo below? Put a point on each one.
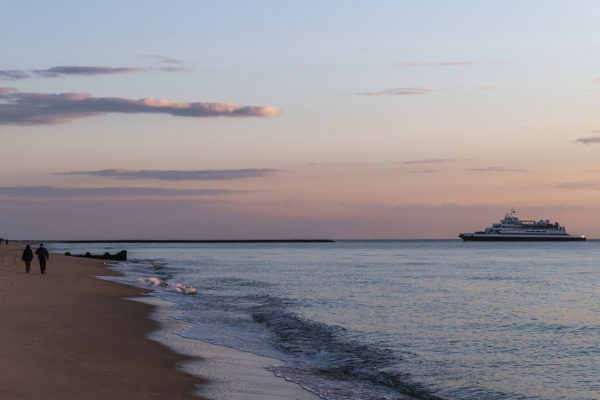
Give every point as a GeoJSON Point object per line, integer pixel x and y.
{"type": "Point", "coordinates": [512, 228]}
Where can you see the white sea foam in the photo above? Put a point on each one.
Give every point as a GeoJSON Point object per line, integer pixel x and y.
{"type": "Point", "coordinates": [178, 287]}
{"type": "Point", "coordinates": [154, 281]}
{"type": "Point", "coordinates": [185, 289]}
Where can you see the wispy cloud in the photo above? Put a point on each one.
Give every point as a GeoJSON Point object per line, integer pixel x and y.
{"type": "Point", "coordinates": [173, 69]}
{"type": "Point", "coordinates": [403, 91]}
{"type": "Point", "coordinates": [18, 108]}
{"type": "Point", "coordinates": [86, 70]}
{"type": "Point", "coordinates": [423, 171]}
{"type": "Point", "coordinates": [163, 59]}
{"type": "Point", "coordinates": [589, 140]}
{"type": "Point", "coordinates": [53, 191]}
{"type": "Point", "coordinates": [432, 161]}
{"type": "Point", "coordinates": [177, 175]}
{"type": "Point", "coordinates": [173, 64]}
{"type": "Point", "coordinates": [66, 70]}
{"type": "Point", "coordinates": [496, 169]}
{"type": "Point", "coordinates": [578, 185]}
{"type": "Point", "coordinates": [435, 64]}
{"type": "Point", "coordinates": [10, 75]}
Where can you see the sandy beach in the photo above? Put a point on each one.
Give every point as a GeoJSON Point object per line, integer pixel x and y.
{"type": "Point", "coordinates": [67, 334]}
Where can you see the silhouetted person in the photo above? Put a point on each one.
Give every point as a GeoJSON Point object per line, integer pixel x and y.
{"type": "Point", "coordinates": [43, 255]}
{"type": "Point", "coordinates": [27, 257]}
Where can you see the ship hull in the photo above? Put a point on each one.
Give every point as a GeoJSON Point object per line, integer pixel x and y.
{"type": "Point", "coordinates": [519, 238]}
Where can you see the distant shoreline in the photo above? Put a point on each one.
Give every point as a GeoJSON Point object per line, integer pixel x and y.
{"type": "Point", "coordinates": [196, 241]}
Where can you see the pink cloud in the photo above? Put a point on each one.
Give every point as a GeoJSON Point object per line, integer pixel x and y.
{"type": "Point", "coordinates": [589, 140]}
{"type": "Point", "coordinates": [404, 91]}
{"type": "Point", "coordinates": [496, 169]}
{"type": "Point", "coordinates": [432, 161]}
{"type": "Point", "coordinates": [163, 59]}
{"type": "Point", "coordinates": [177, 175]}
{"type": "Point", "coordinates": [581, 185]}
{"type": "Point", "coordinates": [18, 108]}
{"type": "Point", "coordinates": [173, 69]}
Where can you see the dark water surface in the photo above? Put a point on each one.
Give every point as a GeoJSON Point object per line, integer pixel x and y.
{"type": "Point", "coordinates": [435, 319]}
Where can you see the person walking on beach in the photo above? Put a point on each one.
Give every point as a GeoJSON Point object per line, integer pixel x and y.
{"type": "Point", "coordinates": [27, 257]}
{"type": "Point", "coordinates": [43, 255]}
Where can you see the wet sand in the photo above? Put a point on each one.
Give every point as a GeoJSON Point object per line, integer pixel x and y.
{"type": "Point", "coordinates": [67, 335]}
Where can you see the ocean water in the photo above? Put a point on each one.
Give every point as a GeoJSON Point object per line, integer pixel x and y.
{"type": "Point", "coordinates": [431, 319]}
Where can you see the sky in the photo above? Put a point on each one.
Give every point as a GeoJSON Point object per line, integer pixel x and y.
{"type": "Point", "coordinates": [297, 119]}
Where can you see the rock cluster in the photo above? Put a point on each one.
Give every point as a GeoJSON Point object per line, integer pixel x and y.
{"type": "Point", "coordinates": [120, 256]}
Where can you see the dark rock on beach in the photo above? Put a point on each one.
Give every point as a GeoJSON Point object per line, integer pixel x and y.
{"type": "Point", "coordinates": [120, 256]}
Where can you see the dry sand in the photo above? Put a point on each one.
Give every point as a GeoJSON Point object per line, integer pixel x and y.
{"type": "Point", "coordinates": [67, 335]}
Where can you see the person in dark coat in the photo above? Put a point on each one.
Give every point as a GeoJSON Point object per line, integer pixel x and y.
{"type": "Point", "coordinates": [27, 257]}
{"type": "Point", "coordinates": [43, 255]}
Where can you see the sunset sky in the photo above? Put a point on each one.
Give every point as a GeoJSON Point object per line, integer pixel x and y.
{"type": "Point", "coordinates": [306, 119]}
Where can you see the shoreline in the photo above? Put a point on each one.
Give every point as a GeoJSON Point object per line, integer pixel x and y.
{"type": "Point", "coordinates": [230, 374]}
{"type": "Point", "coordinates": [77, 332]}
{"type": "Point", "coordinates": [68, 334]}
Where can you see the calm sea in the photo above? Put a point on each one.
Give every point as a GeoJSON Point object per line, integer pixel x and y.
{"type": "Point", "coordinates": [435, 319]}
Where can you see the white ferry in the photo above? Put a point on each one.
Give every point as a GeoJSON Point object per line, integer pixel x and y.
{"type": "Point", "coordinates": [512, 228]}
